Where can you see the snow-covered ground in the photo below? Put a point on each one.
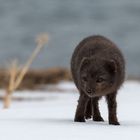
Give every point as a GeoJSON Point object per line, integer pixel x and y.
{"type": "Point", "coordinates": [51, 117]}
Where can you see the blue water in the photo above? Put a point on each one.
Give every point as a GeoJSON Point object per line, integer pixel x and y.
{"type": "Point", "coordinates": [67, 22]}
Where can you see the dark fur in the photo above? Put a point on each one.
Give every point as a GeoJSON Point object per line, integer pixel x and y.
{"type": "Point", "coordinates": [98, 69]}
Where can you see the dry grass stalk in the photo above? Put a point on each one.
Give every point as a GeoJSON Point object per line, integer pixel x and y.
{"type": "Point", "coordinates": [41, 41]}
{"type": "Point", "coordinates": [15, 77]}
{"type": "Point", "coordinates": [9, 90]}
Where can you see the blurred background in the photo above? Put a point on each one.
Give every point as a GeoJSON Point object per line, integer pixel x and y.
{"type": "Point", "coordinates": [67, 22]}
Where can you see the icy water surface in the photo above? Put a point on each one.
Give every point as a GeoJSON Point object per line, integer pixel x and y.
{"type": "Point", "coordinates": [67, 22]}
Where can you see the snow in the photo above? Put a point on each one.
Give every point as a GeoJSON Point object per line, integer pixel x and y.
{"type": "Point", "coordinates": [51, 118]}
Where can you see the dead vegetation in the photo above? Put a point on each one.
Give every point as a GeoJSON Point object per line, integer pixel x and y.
{"type": "Point", "coordinates": [35, 79]}
{"type": "Point", "coordinates": [17, 77]}
{"type": "Point", "coordinates": [17, 73]}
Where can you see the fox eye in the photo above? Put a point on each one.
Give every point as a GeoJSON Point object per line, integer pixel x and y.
{"type": "Point", "coordinates": [84, 79]}
{"type": "Point", "coordinates": [100, 79]}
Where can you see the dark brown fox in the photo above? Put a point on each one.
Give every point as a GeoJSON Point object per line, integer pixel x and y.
{"type": "Point", "coordinates": [98, 69]}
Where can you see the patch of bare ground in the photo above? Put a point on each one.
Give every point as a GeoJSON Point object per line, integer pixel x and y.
{"type": "Point", "coordinates": [38, 78]}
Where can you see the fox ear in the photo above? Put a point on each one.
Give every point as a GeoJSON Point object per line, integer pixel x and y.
{"type": "Point", "coordinates": [111, 66]}
{"type": "Point", "coordinates": [85, 61]}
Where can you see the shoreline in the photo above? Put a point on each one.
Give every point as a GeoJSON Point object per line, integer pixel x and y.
{"type": "Point", "coordinates": [39, 78]}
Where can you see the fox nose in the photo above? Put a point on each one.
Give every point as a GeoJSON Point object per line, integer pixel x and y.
{"type": "Point", "coordinates": [89, 91]}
